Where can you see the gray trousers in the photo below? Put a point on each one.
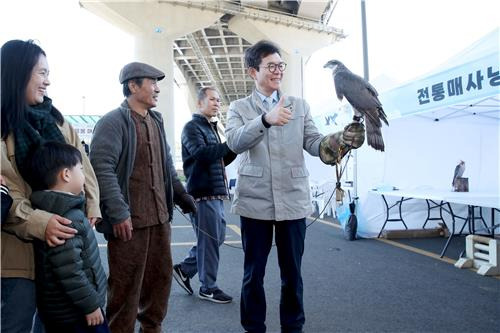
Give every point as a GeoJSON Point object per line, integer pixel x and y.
{"type": "Point", "coordinates": [209, 227]}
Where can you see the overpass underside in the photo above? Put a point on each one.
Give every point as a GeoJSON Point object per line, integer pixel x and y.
{"type": "Point", "coordinates": [207, 40]}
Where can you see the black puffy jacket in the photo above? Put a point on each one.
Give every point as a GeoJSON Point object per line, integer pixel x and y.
{"type": "Point", "coordinates": [204, 158]}
{"type": "Point", "coordinates": [70, 280]}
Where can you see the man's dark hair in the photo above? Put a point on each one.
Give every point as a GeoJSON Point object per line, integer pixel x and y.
{"type": "Point", "coordinates": [202, 93]}
{"type": "Point", "coordinates": [126, 89]}
{"type": "Point", "coordinates": [48, 160]}
{"type": "Point", "coordinates": [18, 60]}
{"type": "Point", "coordinates": [254, 54]}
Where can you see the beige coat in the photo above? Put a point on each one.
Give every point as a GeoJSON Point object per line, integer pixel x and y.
{"type": "Point", "coordinates": [27, 223]}
{"type": "Point", "coordinates": [273, 182]}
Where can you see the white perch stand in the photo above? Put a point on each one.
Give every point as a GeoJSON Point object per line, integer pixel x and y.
{"type": "Point", "coordinates": [481, 253]}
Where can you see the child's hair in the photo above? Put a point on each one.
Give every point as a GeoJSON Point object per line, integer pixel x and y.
{"type": "Point", "coordinates": [48, 160]}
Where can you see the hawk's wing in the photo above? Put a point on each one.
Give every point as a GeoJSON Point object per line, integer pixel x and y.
{"type": "Point", "coordinates": [461, 169]}
{"type": "Point", "coordinates": [457, 174]}
{"type": "Point", "coordinates": [353, 86]}
{"type": "Point", "coordinates": [360, 94]}
{"type": "Point", "coordinates": [339, 87]}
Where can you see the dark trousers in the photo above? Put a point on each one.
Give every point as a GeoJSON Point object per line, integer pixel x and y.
{"type": "Point", "coordinates": [80, 327]}
{"type": "Point", "coordinates": [257, 237]}
{"type": "Point", "coordinates": [18, 305]}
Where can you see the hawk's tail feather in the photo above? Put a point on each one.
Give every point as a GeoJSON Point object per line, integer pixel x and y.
{"type": "Point", "coordinates": [382, 115]}
{"type": "Point", "coordinates": [376, 141]}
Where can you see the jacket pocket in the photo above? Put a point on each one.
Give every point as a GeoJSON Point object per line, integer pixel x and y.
{"type": "Point", "coordinates": [250, 184]}
{"type": "Point", "coordinates": [297, 188]}
{"type": "Point", "coordinates": [299, 172]}
{"type": "Point", "coordinates": [251, 170]}
{"type": "Point", "coordinates": [293, 132]}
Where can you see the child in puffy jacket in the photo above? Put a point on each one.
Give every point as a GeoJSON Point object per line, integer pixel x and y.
{"type": "Point", "coordinates": [70, 280]}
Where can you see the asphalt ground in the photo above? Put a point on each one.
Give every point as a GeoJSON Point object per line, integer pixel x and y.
{"type": "Point", "coordinates": [367, 285]}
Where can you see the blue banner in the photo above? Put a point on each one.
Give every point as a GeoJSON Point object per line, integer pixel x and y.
{"type": "Point", "coordinates": [470, 81]}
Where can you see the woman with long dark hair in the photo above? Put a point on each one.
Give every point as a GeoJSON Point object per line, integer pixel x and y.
{"type": "Point", "coordinates": [29, 119]}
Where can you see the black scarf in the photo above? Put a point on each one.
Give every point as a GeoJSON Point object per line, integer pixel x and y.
{"type": "Point", "coordinates": [40, 126]}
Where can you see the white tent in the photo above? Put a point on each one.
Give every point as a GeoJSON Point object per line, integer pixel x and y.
{"type": "Point", "coordinates": [436, 120]}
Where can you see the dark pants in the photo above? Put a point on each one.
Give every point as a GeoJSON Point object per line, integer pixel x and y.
{"type": "Point", "coordinates": [18, 304]}
{"type": "Point", "coordinates": [140, 276]}
{"type": "Point", "coordinates": [257, 237]}
{"type": "Point", "coordinates": [80, 327]}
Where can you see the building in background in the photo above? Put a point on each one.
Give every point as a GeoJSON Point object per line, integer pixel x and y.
{"type": "Point", "coordinates": [84, 125]}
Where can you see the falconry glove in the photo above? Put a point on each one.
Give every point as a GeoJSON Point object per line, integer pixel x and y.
{"type": "Point", "coordinates": [331, 148]}
{"type": "Point", "coordinates": [335, 146]}
{"type": "Point", "coordinates": [354, 135]}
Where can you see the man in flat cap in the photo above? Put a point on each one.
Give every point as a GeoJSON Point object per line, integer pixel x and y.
{"type": "Point", "coordinates": [139, 186]}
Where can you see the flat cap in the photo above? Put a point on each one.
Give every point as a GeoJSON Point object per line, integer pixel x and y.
{"type": "Point", "coordinates": [137, 70]}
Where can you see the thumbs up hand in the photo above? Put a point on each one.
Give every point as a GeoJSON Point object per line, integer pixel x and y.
{"type": "Point", "coordinates": [279, 115]}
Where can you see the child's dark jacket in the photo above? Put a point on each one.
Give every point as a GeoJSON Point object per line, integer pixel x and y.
{"type": "Point", "coordinates": [70, 279]}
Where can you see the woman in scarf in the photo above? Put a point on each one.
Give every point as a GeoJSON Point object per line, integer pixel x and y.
{"type": "Point", "coordinates": [29, 119]}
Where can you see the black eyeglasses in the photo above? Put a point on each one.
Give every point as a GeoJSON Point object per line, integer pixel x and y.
{"type": "Point", "coordinates": [272, 67]}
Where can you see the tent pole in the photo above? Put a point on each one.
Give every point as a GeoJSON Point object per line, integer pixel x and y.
{"type": "Point", "coordinates": [366, 76]}
{"type": "Point", "coordinates": [365, 43]}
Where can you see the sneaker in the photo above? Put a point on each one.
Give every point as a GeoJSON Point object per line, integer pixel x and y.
{"type": "Point", "coordinates": [182, 279]}
{"type": "Point", "coordinates": [216, 295]}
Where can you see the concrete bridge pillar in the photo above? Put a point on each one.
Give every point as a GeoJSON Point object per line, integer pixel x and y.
{"type": "Point", "coordinates": [155, 25]}
{"type": "Point", "coordinates": [158, 52]}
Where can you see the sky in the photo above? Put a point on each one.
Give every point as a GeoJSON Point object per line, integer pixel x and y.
{"type": "Point", "coordinates": [85, 53]}
{"type": "Point", "coordinates": [406, 39]}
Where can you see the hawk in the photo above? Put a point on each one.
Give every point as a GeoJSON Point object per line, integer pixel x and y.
{"type": "Point", "coordinates": [363, 98]}
{"type": "Point", "coordinates": [459, 171]}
